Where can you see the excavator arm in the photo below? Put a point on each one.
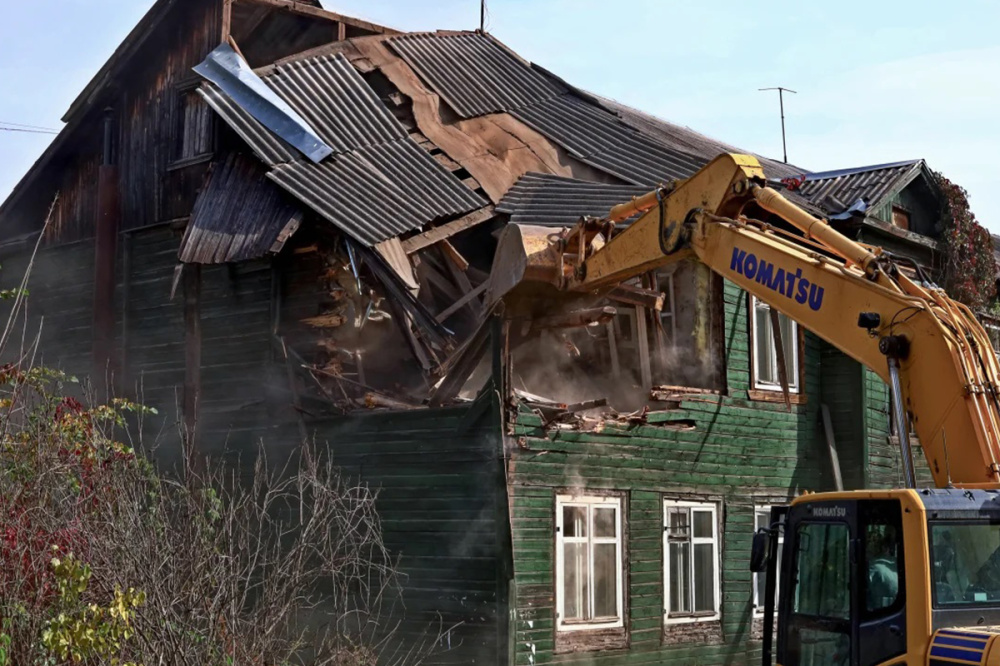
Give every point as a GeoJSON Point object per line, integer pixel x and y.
{"type": "Point", "coordinates": [931, 349]}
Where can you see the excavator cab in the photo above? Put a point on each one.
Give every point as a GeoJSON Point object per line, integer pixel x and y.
{"type": "Point", "coordinates": [888, 578]}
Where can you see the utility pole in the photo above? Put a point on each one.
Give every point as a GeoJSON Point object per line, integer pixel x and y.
{"type": "Point", "coordinates": [781, 101]}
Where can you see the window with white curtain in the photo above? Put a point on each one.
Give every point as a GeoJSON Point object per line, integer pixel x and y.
{"type": "Point", "coordinates": [692, 580]}
{"type": "Point", "coordinates": [589, 580]}
{"type": "Point", "coordinates": [764, 349]}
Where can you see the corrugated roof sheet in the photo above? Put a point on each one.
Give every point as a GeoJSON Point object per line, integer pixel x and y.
{"type": "Point", "coordinates": [690, 141]}
{"type": "Point", "coordinates": [546, 200]}
{"type": "Point", "coordinates": [238, 214]}
{"type": "Point", "coordinates": [268, 147]}
{"type": "Point", "coordinates": [330, 94]}
{"type": "Point", "coordinates": [474, 73]}
{"type": "Point", "coordinates": [378, 183]}
{"type": "Point", "coordinates": [835, 191]}
{"type": "Point", "coordinates": [600, 139]}
{"type": "Point", "coordinates": [374, 191]}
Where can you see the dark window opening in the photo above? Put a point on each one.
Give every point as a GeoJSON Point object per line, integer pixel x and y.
{"type": "Point", "coordinates": [901, 217]}
{"type": "Point", "coordinates": [194, 127]}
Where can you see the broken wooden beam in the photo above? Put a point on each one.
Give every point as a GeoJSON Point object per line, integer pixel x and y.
{"type": "Point", "coordinates": [456, 258]}
{"type": "Point", "coordinates": [438, 234]}
{"type": "Point", "coordinates": [461, 303]}
{"type": "Point", "coordinates": [575, 319]}
{"type": "Point", "coordinates": [646, 298]}
{"type": "Point", "coordinates": [375, 400]}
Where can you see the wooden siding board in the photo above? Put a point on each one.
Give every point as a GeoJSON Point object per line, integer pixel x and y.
{"type": "Point", "coordinates": [439, 507]}
{"type": "Point", "coordinates": [741, 451]}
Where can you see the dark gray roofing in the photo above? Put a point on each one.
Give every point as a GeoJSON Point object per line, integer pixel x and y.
{"type": "Point", "coordinates": [378, 183]}
{"type": "Point", "coordinates": [238, 214]}
{"type": "Point", "coordinates": [329, 93]}
{"type": "Point", "coordinates": [600, 139]}
{"type": "Point", "coordinates": [374, 189]}
{"type": "Point", "coordinates": [546, 200]}
{"type": "Point", "coordinates": [688, 140]}
{"type": "Point", "coordinates": [474, 73]}
{"type": "Point", "coordinates": [836, 191]}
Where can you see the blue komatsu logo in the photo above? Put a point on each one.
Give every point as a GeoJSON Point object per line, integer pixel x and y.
{"type": "Point", "coordinates": [788, 284]}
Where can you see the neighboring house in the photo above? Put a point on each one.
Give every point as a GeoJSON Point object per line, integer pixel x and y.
{"type": "Point", "coordinates": [323, 279]}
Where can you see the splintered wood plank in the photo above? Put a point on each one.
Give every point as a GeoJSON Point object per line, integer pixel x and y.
{"type": "Point", "coordinates": [445, 231]}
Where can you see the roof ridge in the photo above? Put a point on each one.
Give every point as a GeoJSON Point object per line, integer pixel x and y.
{"type": "Point", "coordinates": [836, 173]}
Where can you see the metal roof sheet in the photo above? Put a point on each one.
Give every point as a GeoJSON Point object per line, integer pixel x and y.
{"type": "Point", "coordinates": [545, 200]}
{"type": "Point", "coordinates": [227, 69]}
{"type": "Point", "coordinates": [378, 192]}
{"type": "Point", "coordinates": [268, 147]}
{"type": "Point", "coordinates": [333, 98]}
{"type": "Point", "coordinates": [837, 190]}
{"type": "Point", "coordinates": [378, 183]}
{"type": "Point", "coordinates": [474, 73]}
{"type": "Point", "coordinates": [598, 138]}
{"type": "Point", "coordinates": [238, 214]}
{"type": "Point", "coordinates": [477, 75]}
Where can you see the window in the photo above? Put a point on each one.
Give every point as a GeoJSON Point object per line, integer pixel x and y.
{"type": "Point", "coordinates": [691, 561]}
{"type": "Point", "coordinates": [765, 356]}
{"type": "Point", "coordinates": [588, 562]}
{"type": "Point", "coordinates": [762, 520]}
{"type": "Point", "coordinates": [193, 125]}
{"type": "Point", "coordinates": [965, 563]}
{"type": "Point", "coordinates": [901, 217]}
{"type": "Point", "coordinates": [819, 632]}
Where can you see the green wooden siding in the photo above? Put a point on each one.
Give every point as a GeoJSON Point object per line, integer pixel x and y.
{"type": "Point", "coordinates": [741, 453]}
{"type": "Point", "coordinates": [441, 501]}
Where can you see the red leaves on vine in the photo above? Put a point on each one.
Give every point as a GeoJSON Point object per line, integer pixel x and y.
{"type": "Point", "coordinates": [970, 269]}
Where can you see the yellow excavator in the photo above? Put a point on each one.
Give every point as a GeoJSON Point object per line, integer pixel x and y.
{"type": "Point", "coordinates": [861, 578]}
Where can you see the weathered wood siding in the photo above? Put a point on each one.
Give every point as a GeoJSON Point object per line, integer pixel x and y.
{"type": "Point", "coordinates": [841, 379]}
{"type": "Point", "coordinates": [441, 500]}
{"type": "Point", "coordinates": [741, 453]}
{"type": "Point", "coordinates": [151, 338]}
{"type": "Point", "coordinates": [57, 311]}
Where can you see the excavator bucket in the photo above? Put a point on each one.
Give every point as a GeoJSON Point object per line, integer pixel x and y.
{"type": "Point", "coordinates": [530, 268]}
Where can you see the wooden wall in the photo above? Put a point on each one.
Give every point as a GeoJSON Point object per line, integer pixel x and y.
{"type": "Point", "coordinates": [740, 453]}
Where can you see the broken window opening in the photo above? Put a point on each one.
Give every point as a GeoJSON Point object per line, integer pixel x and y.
{"type": "Point", "coordinates": [665, 332]}
{"type": "Point", "coordinates": [901, 217]}
{"type": "Point", "coordinates": [764, 350]}
{"type": "Point", "coordinates": [589, 571]}
{"type": "Point", "coordinates": [691, 575]}
{"type": "Point", "coordinates": [194, 126]}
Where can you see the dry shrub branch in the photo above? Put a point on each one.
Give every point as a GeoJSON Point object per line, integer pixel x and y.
{"type": "Point", "coordinates": [102, 560]}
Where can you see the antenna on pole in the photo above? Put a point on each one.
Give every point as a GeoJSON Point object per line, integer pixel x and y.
{"type": "Point", "coordinates": [482, 16]}
{"type": "Point", "coordinates": [781, 101]}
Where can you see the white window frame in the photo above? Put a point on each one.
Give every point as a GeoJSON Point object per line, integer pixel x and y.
{"type": "Point", "coordinates": [589, 501]}
{"type": "Point", "coordinates": [993, 333]}
{"type": "Point", "coordinates": [716, 613]}
{"type": "Point", "coordinates": [793, 376]}
{"type": "Point", "coordinates": [758, 607]}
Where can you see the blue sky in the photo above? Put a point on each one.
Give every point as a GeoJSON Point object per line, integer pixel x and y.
{"type": "Point", "coordinates": [877, 81]}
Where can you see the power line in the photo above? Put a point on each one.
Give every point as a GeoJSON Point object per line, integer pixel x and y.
{"type": "Point", "coordinates": [34, 127]}
{"type": "Point", "coordinates": [27, 131]}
